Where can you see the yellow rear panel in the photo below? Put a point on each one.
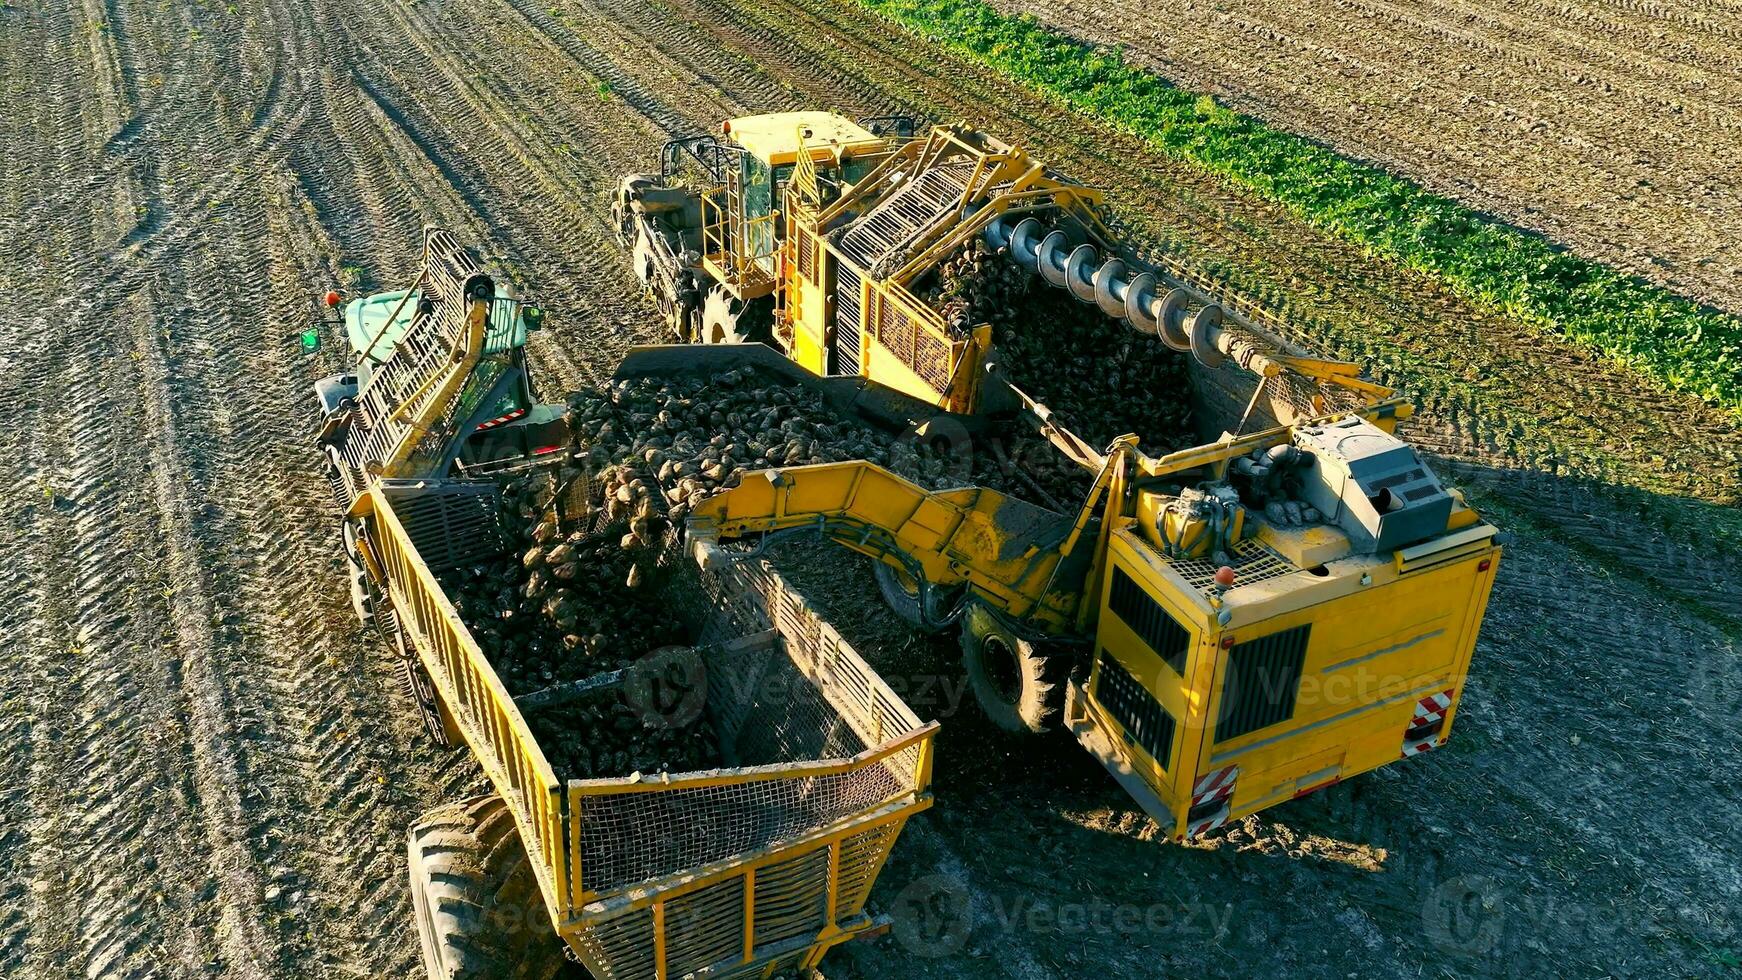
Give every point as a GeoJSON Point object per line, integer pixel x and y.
{"type": "Point", "coordinates": [1277, 705]}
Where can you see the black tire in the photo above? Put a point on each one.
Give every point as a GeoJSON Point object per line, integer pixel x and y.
{"type": "Point", "coordinates": [423, 693]}
{"type": "Point", "coordinates": [901, 595]}
{"type": "Point", "coordinates": [479, 912]}
{"type": "Point", "coordinates": [729, 320]}
{"type": "Point", "coordinates": [1019, 687]}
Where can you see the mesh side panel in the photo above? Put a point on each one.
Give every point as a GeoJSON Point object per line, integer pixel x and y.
{"type": "Point", "coordinates": [784, 718]}
{"type": "Point", "coordinates": [791, 898]}
{"type": "Point", "coordinates": [912, 344]}
{"type": "Point", "coordinates": [932, 361]}
{"type": "Point", "coordinates": [630, 837]}
{"type": "Point", "coordinates": [704, 928]}
{"type": "Point", "coordinates": [807, 698]}
{"type": "Point", "coordinates": [620, 948]}
{"type": "Point", "coordinates": [861, 858]}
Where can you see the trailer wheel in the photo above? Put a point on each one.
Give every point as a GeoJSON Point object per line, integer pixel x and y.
{"type": "Point", "coordinates": [480, 914]}
{"type": "Point", "coordinates": [422, 690]}
{"type": "Point", "coordinates": [1018, 685]}
{"type": "Point", "coordinates": [902, 594]}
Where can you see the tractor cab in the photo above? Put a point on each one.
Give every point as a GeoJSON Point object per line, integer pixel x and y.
{"type": "Point", "coordinates": [495, 413]}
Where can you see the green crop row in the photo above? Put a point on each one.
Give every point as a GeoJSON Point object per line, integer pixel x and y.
{"type": "Point", "coordinates": [1668, 337]}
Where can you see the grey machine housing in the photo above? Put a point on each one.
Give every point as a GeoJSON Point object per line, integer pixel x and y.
{"type": "Point", "coordinates": [1372, 485]}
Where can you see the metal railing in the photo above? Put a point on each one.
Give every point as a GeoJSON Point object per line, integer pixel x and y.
{"type": "Point", "coordinates": [915, 334]}
{"type": "Point", "coordinates": [479, 704]}
{"type": "Point", "coordinates": [737, 245]}
{"type": "Point", "coordinates": [727, 871]}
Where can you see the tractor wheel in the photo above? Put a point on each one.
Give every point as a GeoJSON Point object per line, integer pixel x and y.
{"type": "Point", "coordinates": [423, 692]}
{"type": "Point", "coordinates": [480, 914]}
{"type": "Point", "coordinates": [641, 258]}
{"type": "Point", "coordinates": [727, 319]}
{"type": "Point", "coordinates": [901, 593]}
{"type": "Point", "coordinates": [629, 189]}
{"type": "Point", "coordinates": [1019, 686]}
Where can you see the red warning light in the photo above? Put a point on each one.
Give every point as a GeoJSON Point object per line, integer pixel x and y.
{"type": "Point", "coordinates": [1224, 576]}
{"type": "Point", "coordinates": [333, 298]}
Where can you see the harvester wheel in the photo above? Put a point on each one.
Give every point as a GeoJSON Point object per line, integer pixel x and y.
{"type": "Point", "coordinates": [423, 692]}
{"type": "Point", "coordinates": [478, 907]}
{"type": "Point", "coordinates": [641, 259]}
{"type": "Point", "coordinates": [1019, 686]}
{"type": "Point", "coordinates": [726, 319]}
{"type": "Point", "coordinates": [901, 593]}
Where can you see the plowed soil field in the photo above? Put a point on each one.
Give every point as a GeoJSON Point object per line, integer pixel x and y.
{"type": "Point", "coordinates": [1608, 125]}
{"type": "Point", "coordinates": [208, 767]}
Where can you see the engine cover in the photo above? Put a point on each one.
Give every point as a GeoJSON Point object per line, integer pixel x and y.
{"type": "Point", "coordinates": [1372, 485]}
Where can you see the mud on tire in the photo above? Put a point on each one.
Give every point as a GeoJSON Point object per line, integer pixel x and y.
{"type": "Point", "coordinates": [1019, 686]}
{"type": "Point", "coordinates": [729, 320]}
{"type": "Point", "coordinates": [902, 595]}
{"type": "Point", "coordinates": [477, 904]}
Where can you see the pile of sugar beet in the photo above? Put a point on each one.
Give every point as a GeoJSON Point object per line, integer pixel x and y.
{"type": "Point", "coordinates": [579, 595]}
{"type": "Point", "coordinates": [1102, 378]}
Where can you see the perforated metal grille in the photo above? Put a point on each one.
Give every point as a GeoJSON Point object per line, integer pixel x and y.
{"type": "Point", "coordinates": [806, 247]}
{"type": "Point", "coordinates": [1262, 678]}
{"type": "Point", "coordinates": [452, 522]}
{"type": "Point", "coordinates": [1139, 610]}
{"type": "Point", "coordinates": [909, 340]}
{"type": "Point", "coordinates": [1253, 561]}
{"type": "Point", "coordinates": [1145, 721]}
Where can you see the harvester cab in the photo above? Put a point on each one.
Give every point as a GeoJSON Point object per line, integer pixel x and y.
{"type": "Point", "coordinates": [706, 233]}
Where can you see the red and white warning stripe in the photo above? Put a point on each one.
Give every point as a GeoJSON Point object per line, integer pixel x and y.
{"type": "Point", "coordinates": [1430, 710]}
{"type": "Point", "coordinates": [1211, 788]}
{"type": "Point", "coordinates": [498, 420]}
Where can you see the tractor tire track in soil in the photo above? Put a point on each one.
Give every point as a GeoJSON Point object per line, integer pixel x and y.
{"type": "Point", "coordinates": [213, 764]}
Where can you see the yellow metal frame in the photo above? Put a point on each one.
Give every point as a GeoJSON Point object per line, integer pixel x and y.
{"type": "Point", "coordinates": [726, 234]}
{"type": "Point", "coordinates": [550, 814]}
{"type": "Point", "coordinates": [582, 790]}
{"type": "Point", "coordinates": [1369, 623]}
{"type": "Point", "coordinates": [1414, 613]}
{"type": "Point", "coordinates": [476, 700]}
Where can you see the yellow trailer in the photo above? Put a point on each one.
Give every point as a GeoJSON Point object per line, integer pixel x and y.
{"type": "Point", "coordinates": [751, 870]}
{"type": "Point", "coordinates": [745, 871]}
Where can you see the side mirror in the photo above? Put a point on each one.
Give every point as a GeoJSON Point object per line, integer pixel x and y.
{"type": "Point", "coordinates": [533, 317]}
